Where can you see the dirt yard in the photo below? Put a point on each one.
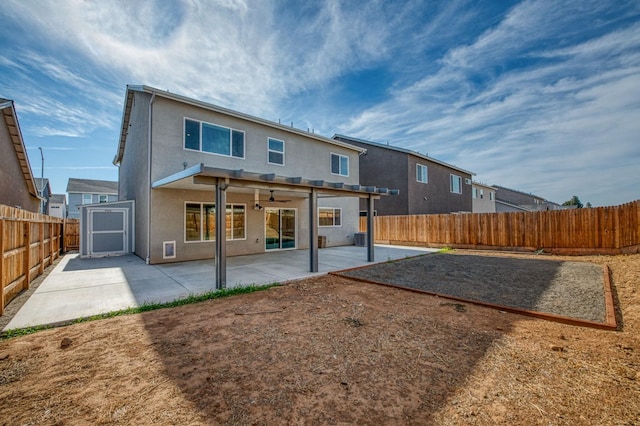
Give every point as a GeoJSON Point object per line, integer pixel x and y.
{"type": "Point", "coordinates": [331, 351]}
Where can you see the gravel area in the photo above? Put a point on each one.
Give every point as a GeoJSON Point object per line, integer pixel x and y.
{"type": "Point", "coordinates": [570, 289]}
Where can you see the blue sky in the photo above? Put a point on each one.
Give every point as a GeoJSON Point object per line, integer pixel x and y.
{"type": "Point", "coordinates": [540, 96]}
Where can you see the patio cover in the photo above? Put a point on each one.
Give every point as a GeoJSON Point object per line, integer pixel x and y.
{"type": "Point", "coordinates": [222, 179]}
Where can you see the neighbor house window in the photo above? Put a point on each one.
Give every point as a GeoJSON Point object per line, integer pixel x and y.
{"type": "Point", "coordinates": [475, 192]}
{"type": "Point", "coordinates": [87, 198]}
{"type": "Point", "coordinates": [200, 222]}
{"type": "Point", "coordinates": [275, 149]}
{"type": "Point", "coordinates": [339, 164]}
{"type": "Point", "coordinates": [491, 195]}
{"type": "Point", "coordinates": [456, 184]}
{"type": "Point", "coordinates": [207, 137]}
{"type": "Point", "coordinates": [329, 216]}
{"type": "Point", "coordinates": [482, 193]}
{"type": "Point", "coordinates": [102, 198]}
{"type": "Point", "coordinates": [421, 173]}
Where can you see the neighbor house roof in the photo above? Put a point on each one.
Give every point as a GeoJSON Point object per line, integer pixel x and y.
{"type": "Point", "coordinates": [403, 150]}
{"type": "Point", "coordinates": [504, 188]}
{"type": "Point", "coordinates": [58, 198]}
{"type": "Point", "coordinates": [42, 183]}
{"type": "Point", "coordinates": [11, 121]}
{"type": "Point", "coordinates": [90, 186]}
{"type": "Point", "coordinates": [126, 116]}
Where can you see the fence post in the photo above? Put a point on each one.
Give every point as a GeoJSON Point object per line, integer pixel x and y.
{"type": "Point", "coordinates": [41, 248]}
{"type": "Point", "coordinates": [26, 241]}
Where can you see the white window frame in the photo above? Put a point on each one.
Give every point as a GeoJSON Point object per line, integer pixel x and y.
{"type": "Point", "coordinates": [333, 216]}
{"type": "Point", "coordinates": [84, 201]}
{"type": "Point", "coordinates": [451, 186]}
{"type": "Point", "coordinates": [340, 171]}
{"type": "Point", "coordinates": [426, 173]}
{"type": "Point", "coordinates": [231, 130]}
{"type": "Point", "coordinates": [491, 195]}
{"type": "Point", "coordinates": [202, 203]}
{"type": "Point", "coordinates": [475, 193]}
{"type": "Point", "coordinates": [103, 197]}
{"type": "Point", "coordinates": [269, 151]}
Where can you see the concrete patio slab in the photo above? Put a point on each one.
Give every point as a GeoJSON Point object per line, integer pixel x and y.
{"type": "Point", "coordinates": [79, 287]}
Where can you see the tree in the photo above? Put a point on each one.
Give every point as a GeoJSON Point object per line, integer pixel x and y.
{"type": "Point", "coordinates": [574, 201]}
{"type": "Point", "coordinates": [588, 205]}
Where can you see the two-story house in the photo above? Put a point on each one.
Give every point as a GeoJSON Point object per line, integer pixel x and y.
{"type": "Point", "coordinates": [44, 190]}
{"type": "Point", "coordinates": [426, 185]}
{"type": "Point", "coordinates": [180, 158]}
{"type": "Point", "coordinates": [58, 206]}
{"type": "Point", "coordinates": [483, 198]}
{"type": "Point", "coordinates": [18, 188]}
{"type": "Point", "coordinates": [89, 191]}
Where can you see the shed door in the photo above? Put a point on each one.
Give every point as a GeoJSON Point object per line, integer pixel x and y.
{"type": "Point", "coordinates": [107, 232]}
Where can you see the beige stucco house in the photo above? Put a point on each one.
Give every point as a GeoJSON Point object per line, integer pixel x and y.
{"type": "Point", "coordinates": [179, 158]}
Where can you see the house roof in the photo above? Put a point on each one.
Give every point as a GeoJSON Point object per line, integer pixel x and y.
{"type": "Point", "coordinates": [514, 206]}
{"type": "Point", "coordinates": [11, 121]}
{"type": "Point", "coordinates": [42, 183]}
{"type": "Point", "coordinates": [90, 186]}
{"type": "Point", "coordinates": [518, 192]}
{"type": "Point", "coordinates": [128, 104]}
{"type": "Point", "coordinates": [58, 198]}
{"type": "Point", "coordinates": [405, 151]}
{"type": "Point", "coordinates": [484, 185]}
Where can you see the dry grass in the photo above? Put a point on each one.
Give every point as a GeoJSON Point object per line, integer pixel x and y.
{"type": "Point", "coordinates": [327, 351]}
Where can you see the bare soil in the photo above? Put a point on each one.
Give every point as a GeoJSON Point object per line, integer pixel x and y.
{"type": "Point", "coordinates": [331, 350]}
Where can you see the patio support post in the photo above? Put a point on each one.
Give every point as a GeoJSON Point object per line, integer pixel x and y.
{"type": "Point", "coordinates": [313, 231]}
{"type": "Point", "coordinates": [370, 229]}
{"type": "Point", "coordinates": [221, 234]}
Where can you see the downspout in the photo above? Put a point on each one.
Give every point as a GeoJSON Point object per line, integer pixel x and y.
{"type": "Point", "coordinates": [147, 260]}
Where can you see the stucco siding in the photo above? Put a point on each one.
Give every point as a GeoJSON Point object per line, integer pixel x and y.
{"type": "Point", "coordinates": [304, 157]}
{"type": "Point", "coordinates": [133, 178]}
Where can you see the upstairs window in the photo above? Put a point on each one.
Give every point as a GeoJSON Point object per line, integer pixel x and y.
{"type": "Point", "coordinates": [214, 139]}
{"type": "Point", "coordinates": [87, 198]}
{"type": "Point", "coordinates": [329, 216]}
{"type": "Point", "coordinates": [275, 148]}
{"type": "Point", "coordinates": [456, 184]}
{"type": "Point", "coordinates": [421, 173]}
{"type": "Point", "coordinates": [103, 198]}
{"type": "Point", "coordinates": [339, 164]}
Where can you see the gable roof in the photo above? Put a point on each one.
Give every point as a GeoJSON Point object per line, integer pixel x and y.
{"type": "Point", "coordinates": [11, 121]}
{"type": "Point", "coordinates": [403, 150]}
{"type": "Point", "coordinates": [504, 188]}
{"type": "Point", "coordinates": [90, 186]}
{"type": "Point", "coordinates": [58, 198]}
{"type": "Point", "coordinates": [128, 105]}
{"type": "Point", "coordinates": [42, 183]}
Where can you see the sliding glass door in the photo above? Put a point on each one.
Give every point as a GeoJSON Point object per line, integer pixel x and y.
{"type": "Point", "coordinates": [280, 229]}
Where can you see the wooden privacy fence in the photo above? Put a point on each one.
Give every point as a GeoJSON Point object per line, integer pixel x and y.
{"type": "Point", "coordinates": [29, 242]}
{"type": "Point", "coordinates": [71, 235]}
{"type": "Point", "coordinates": [601, 230]}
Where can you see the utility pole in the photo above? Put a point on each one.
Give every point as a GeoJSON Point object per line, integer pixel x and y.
{"type": "Point", "coordinates": [41, 181]}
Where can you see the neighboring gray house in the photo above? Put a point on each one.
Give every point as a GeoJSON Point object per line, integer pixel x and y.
{"type": "Point", "coordinates": [282, 187]}
{"type": "Point", "coordinates": [44, 190]}
{"type": "Point", "coordinates": [89, 191]}
{"type": "Point", "coordinates": [427, 185]}
{"type": "Point", "coordinates": [484, 198]}
{"type": "Point", "coordinates": [511, 200]}
{"type": "Point", "coordinates": [58, 205]}
{"type": "Point", "coordinates": [18, 187]}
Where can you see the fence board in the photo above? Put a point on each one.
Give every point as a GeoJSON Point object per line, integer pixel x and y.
{"type": "Point", "coordinates": [29, 242]}
{"type": "Point", "coordinates": [588, 230]}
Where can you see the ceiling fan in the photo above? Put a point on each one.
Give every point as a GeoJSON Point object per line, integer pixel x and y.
{"type": "Point", "coordinates": [271, 199]}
